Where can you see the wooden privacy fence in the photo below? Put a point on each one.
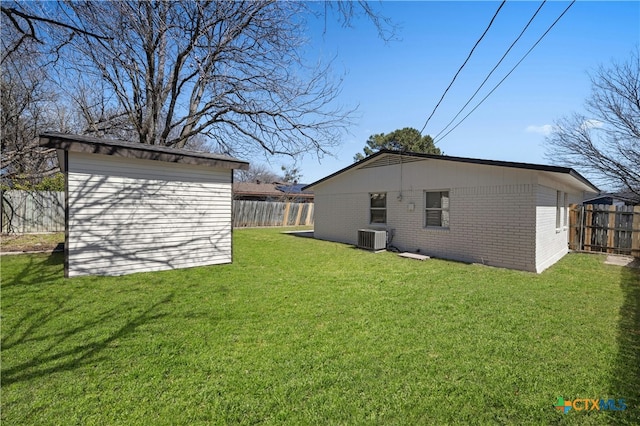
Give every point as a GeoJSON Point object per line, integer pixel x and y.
{"type": "Point", "coordinates": [604, 228]}
{"type": "Point", "coordinates": [247, 213]}
{"type": "Point", "coordinates": [32, 211]}
{"type": "Point", "coordinates": [43, 211]}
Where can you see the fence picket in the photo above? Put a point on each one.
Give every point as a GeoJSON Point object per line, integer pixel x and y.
{"type": "Point", "coordinates": [28, 212]}
{"type": "Point", "coordinates": [248, 213]}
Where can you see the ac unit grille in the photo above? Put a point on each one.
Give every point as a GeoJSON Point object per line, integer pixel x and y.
{"type": "Point", "coordinates": [371, 239]}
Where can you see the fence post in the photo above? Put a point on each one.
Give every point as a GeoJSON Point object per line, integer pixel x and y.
{"type": "Point", "coordinates": [582, 228]}
{"type": "Point", "coordinates": [285, 220]}
{"type": "Point", "coordinates": [588, 225]}
{"type": "Point", "coordinates": [611, 229]}
{"type": "Point", "coordinates": [299, 214]}
{"type": "Point", "coordinates": [573, 227]}
{"type": "Point", "coordinates": [309, 213]}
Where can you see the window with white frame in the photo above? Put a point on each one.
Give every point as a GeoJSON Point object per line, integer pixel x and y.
{"type": "Point", "coordinates": [558, 211]}
{"type": "Point", "coordinates": [562, 210]}
{"type": "Point", "coordinates": [436, 209]}
{"type": "Point", "coordinates": [565, 223]}
{"type": "Point", "coordinates": [559, 201]}
{"type": "Point", "coordinates": [378, 207]}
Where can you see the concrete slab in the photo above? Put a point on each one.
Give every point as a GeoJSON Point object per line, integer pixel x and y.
{"type": "Point", "coordinates": [628, 261]}
{"type": "Point", "coordinates": [414, 256]}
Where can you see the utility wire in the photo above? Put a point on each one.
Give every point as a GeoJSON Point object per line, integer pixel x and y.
{"type": "Point", "coordinates": [462, 66]}
{"type": "Point", "coordinates": [491, 72]}
{"type": "Point", "coordinates": [509, 73]}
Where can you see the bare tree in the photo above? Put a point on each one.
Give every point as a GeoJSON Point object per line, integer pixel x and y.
{"type": "Point", "coordinates": [95, 112]}
{"type": "Point", "coordinates": [291, 174]}
{"type": "Point", "coordinates": [232, 71]}
{"type": "Point", "coordinates": [26, 110]}
{"type": "Point", "coordinates": [256, 172]}
{"type": "Point", "coordinates": [224, 76]}
{"type": "Point", "coordinates": [605, 144]}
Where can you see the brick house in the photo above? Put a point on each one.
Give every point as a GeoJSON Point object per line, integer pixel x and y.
{"type": "Point", "coordinates": [505, 214]}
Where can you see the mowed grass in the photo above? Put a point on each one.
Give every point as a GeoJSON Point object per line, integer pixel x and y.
{"type": "Point", "coordinates": [298, 331]}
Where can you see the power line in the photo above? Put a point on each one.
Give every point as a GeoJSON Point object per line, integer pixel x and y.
{"type": "Point", "coordinates": [491, 72]}
{"type": "Point", "coordinates": [462, 66]}
{"type": "Point", "coordinates": [509, 73]}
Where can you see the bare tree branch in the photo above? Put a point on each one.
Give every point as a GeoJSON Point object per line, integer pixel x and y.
{"type": "Point", "coordinates": [19, 18]}
{"type": "Point", "coordinates": [348, 11]}
{"type": "Point", "coordinates": [26, 110]}
{"type": "Point", "coordinates": [606, 144]}
{"type": "Point", "coordinates": [175, 73]}
{"type": "Point", "coordinates": [230, 70]}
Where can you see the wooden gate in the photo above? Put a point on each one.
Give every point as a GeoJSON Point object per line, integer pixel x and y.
{"type": "Point", "coordinates": [604, 228]}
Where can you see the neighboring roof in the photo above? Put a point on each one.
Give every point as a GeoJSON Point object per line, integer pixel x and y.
{"type": "Point", "coordinates": [256, 189]}
{"type": "Point", "coordinates": [626, 196]}
{"type": "Point", "coordinates": [294, 188]}
{"type": "Point", "coordinates": [416, 156]}
{"type": "Point", "coordinates": [276, 189]}
{"type": "Point", "coordinates": [120, 148]}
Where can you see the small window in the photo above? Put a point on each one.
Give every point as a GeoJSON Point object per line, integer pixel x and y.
{"type": "Point", "coordinates": [437, 209]}
{"type": "Point", "coordinates": [558, 209]}
{"type": "Point", "coordinates": [378, 207]}
{"type": "Point", "coordinates": [566, 210]}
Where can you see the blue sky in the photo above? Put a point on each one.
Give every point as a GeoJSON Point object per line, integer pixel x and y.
{"type": "Point", "coordinates": [397, 84]}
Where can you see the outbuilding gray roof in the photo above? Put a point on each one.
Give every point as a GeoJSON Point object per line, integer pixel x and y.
{"type": "Point", "coordinates": [76, 143]}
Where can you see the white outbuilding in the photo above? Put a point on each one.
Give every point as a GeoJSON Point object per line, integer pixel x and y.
{"type": "Point", "coordinates": [132, 207]}
{"type": "Point", "coordinates": [499, 213]}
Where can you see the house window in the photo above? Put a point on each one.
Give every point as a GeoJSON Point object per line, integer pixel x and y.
{"type": "Point", "coordinates": [558, 209]}
{"type": "Point", "coordinates": [566, 210]}
{"type": "Point", "coordinates": [437, 209]}
{"type": "Point", "coordinates": [562, 210]}
{"type": "Point", "coordinates": [378, 207]}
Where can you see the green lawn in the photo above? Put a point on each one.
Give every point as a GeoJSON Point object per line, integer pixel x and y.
{"type": "Point", "coordinates": [299, 331]}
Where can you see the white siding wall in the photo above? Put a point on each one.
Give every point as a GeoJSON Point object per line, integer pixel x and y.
{"type": "Point", "coordinates": [492, 210]}
{"type": "Point", "coordinates": [129, 215]}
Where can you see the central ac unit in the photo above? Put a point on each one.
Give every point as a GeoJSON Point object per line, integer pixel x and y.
{"type": "Point", "coordinates": [372, 239]}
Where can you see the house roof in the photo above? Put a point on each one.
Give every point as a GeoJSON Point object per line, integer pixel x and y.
{"type": "Point", "coordinates": [414, 156]}
{"type": "Point", "coordinates": [76, 143]}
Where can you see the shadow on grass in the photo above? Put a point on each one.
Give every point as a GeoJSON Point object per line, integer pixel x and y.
{"type": "Point", "coordinates": [57, 356]}
{"type": "Point", "coordinates": [302, 234]}
{"type": "Point", "coordinates": [626, 380]}
{"type": "Point", "coordinates": [47, 270]}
